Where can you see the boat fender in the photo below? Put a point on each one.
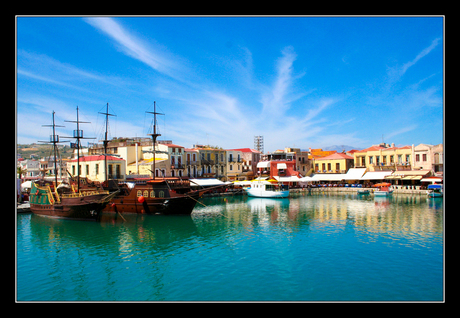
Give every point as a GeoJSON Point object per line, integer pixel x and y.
{"type": "Point", "coordinates": [141, 199]}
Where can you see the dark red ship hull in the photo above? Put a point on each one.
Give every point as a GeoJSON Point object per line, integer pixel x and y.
{"type": "Point", "coordinates": [169, 196]}
{"type": "Point", "coordinates": [182, 204]}
{"type": "Point", "coordinates": [80, 206]}
{"type": "Point", "coordinates": [82, 211]}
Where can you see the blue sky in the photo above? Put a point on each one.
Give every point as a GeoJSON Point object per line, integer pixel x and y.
{"type": "Point", "coordinates": [298, 81]}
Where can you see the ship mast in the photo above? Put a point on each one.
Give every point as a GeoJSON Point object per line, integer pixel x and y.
{"type": "Point", "coordinates": [106, 141]}
{"type": "Point", "coordinates": [54, 139]}
{"type": "Point", "coordinates": [154, 135]}
{"type": "Point", "coordinates": [78, 134]}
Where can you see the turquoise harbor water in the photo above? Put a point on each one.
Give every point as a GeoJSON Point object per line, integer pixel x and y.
{"type": "Point", "coordinates": [305, 248]}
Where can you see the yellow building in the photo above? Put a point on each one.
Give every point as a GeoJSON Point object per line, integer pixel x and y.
{"type": "Point", "coordinates": [144, 168]}
{"type": "Point", "coordinates": [335, 163]}
{"type": "Point", "coordinates": [379, 158]}
{"type": "Point", "coordinates": [93, 167]}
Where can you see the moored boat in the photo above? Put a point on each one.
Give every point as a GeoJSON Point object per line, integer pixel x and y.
{"type": "Point", "coordinates": [265, 189]}
{"type": "Point", "coordinates": [435, 191]}
{"type": "Point", "coordinates": [60, 201]}
{"type": "Point", "coordinates": [86, 205]}
{"type": "Point", "coordinates": [384, 189]}
{"type": "Point", "coordinates": [158, 195]}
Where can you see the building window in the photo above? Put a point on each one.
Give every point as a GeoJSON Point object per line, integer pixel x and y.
{"type": "Point", "coordinates": [424, 157]}
{"type": "Point", "coordinates": [371, 160]}
{"type": "Point", "coordinates": [97, 168]}
{"type": "Point", "coordinates": [417, 157]}
{"type": "Point", "coordinates": [337, 166]}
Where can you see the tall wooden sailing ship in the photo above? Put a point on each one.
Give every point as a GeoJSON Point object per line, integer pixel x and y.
{"type": "Point", "coordinates": [66, 200]}
{"type": "Point", "coordinates": [162, 195]}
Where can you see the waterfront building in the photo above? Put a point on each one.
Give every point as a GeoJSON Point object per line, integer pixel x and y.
{"type": "Point", "coordinates": [32, 168]}
{"type": "Point", "coordinates": [334, 163]}
{"type": "Point", "coordinates": [46, 167]}
{"type": "Point", "coordinates": [277, 168]}
{"type": "Point", "coordinates": [142, 169]}
{"type": "Point", "coordinates": [212, 162]}
{"type": "Point", "coordinates": [192, 162]}
{"type": "Point", "coordinates": [176, 157]}
{"type": "Point", "coordinates": [234, 165]}
{"type": "Point", "coordinates": [384, 157]}
{"type": "Point", "coordinates": [250, 159]}
{"type": "Point", "coordinates": [429, 157]}
{"type": "Point", "coordinates": [319, 153]}
{"type": "Point", "coordinates": [302, 160]}
{"type": "Point", "coordinates": [93, 167]}
{"type": "Point", "coordinates": [132, 150]}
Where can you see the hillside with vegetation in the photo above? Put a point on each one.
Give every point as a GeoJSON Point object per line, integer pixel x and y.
{"type": "Point", "coordinates": [38, 151]}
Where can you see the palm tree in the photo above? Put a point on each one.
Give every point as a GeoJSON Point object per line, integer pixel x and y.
{"type": "Point", "coordinates": [21, 172]}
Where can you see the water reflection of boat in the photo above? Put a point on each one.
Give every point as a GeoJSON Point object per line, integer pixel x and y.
{"type": "Point", "coordinates": [263, 203]}
{"type": "Point", "coordinates": [382, 202]}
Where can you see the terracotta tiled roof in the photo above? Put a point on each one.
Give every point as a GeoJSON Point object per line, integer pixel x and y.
{"type": "Point", "coordinates": [373, 148]}
{"type": "Point", "coordinates": [335, 156]}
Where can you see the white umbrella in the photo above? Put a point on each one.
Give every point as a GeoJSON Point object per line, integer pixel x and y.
{"type": "Point", "coordinates": [26, 185]}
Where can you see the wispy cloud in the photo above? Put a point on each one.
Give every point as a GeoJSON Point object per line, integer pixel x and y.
{"type": "Point", "coordinates": [275, 102]}
{"type": "Point", "coordinates": [137, 48]}
{"type": "Point", "coordinates": [47, 69]}
{"type": "Point", "coordinates": [420, 55]}
{"type": "Point", "coordinates": [395, 73]}
{"type": "Point", "coordinates": [400, 131]}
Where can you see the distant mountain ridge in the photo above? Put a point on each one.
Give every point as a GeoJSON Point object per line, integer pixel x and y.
{"type": "Point", "coordinates": [340, 148]}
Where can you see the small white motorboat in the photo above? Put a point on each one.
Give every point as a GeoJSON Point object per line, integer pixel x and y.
{"type": "Point", "coordinates": [265, 189]}
{"type": "Point", "coordinates": [384, 189]}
